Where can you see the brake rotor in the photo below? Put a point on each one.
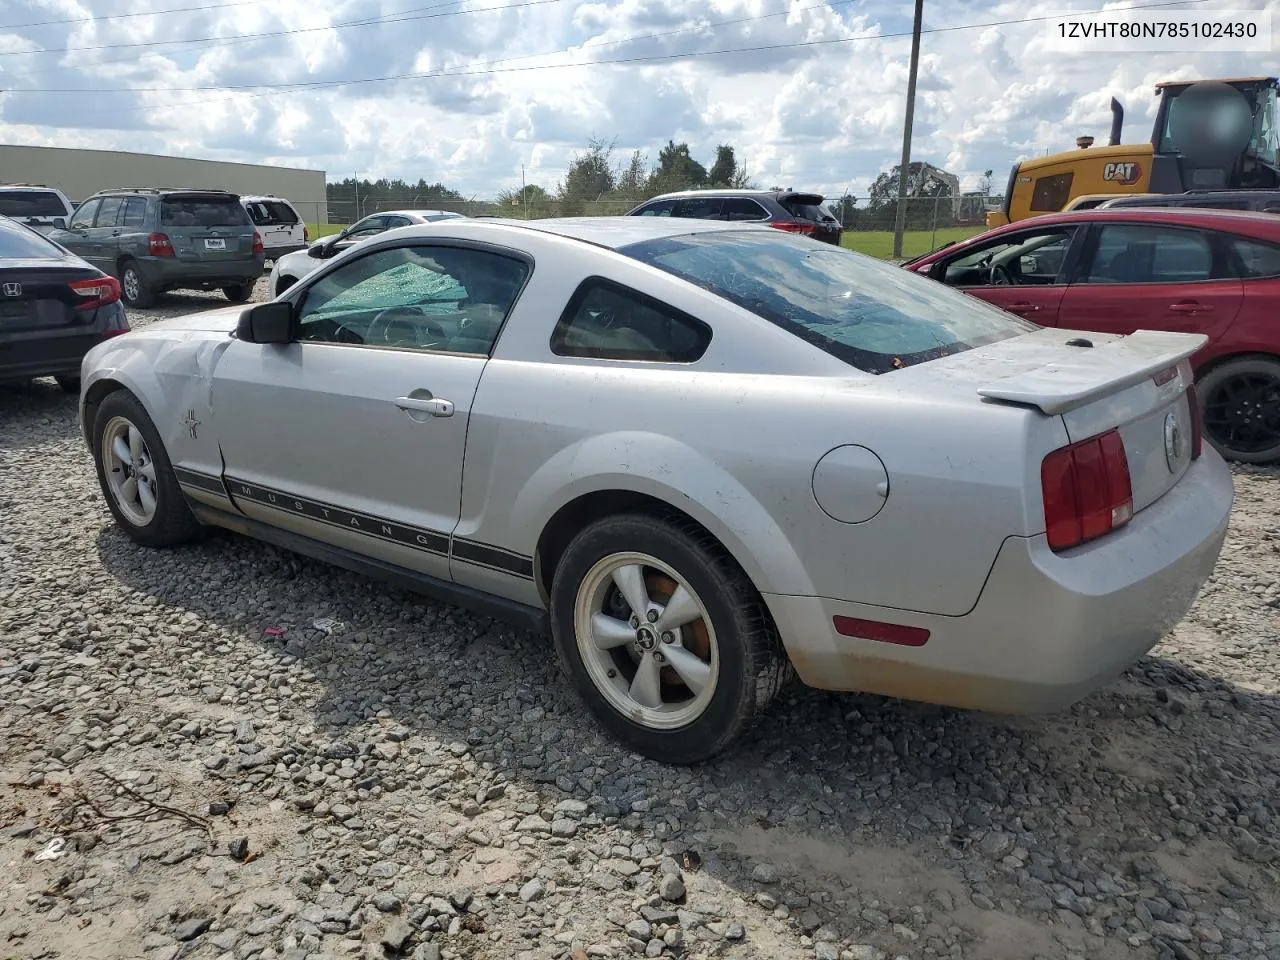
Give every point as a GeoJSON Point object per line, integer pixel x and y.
{"type": "Point", "coordinates": [693, 635]}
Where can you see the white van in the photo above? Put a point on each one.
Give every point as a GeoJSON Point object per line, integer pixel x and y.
{"type": "Point", "coordinates": [278, 222]}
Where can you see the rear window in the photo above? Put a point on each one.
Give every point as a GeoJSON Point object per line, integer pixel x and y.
{"type": "Point", "coordinates": [19, 242]}
{"type": "Point", "coordinates": [31, 203]}
{"type": "Point", "coordinates": [871, 315]}
{"type": "Point", "coordinates": [202, 212]}
{"type": "Point", "coordinates": [806, 208]}
{"type": "Point", "coordinates": [271, 212]}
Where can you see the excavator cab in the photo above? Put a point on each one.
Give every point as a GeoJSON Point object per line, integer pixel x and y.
{"type": "Point", "coordinates": [1216, 135]}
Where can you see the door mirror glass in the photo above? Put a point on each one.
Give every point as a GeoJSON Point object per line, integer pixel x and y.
{"type": "Point", "coordinates": [266, 323]}
{"type": "Point", "coordinates": [60, 223]}
{"type": "Point", "coordinates": [317, 250]}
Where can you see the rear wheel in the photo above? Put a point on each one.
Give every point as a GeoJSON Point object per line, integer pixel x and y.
{"type": "Point", "coordinates": [238, 292]}
{"type": "Point", "coordinates": [1240, 401]}
{"type": "Point", "coordinates": [136, 477]}
{"type": "Point", "coordinates": [133, 287]}
{"type": "Point", "coordinates": [664, 637]}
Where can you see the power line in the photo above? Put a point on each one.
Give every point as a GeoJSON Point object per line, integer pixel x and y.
{"type": "Point", "coordinates": [122, 16]}
{"type": "Point", "coordinates": [828, 5]}
{"type": "Point", "coordinates": [490, 69]}
{"type": "Point", "coordinates": [401, 16]}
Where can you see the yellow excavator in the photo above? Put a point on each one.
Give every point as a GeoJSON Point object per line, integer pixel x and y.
{"type": "Point", "coordinates": [1208, 135]}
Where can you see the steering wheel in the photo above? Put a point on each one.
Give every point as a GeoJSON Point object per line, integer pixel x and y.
{"type": "Point", "coordinates": [402, 326]}
{"type": "Point", "coordinates": [1000, 276]}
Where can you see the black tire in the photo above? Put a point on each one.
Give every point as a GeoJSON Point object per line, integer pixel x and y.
{"type": "Point", "coordinates": [133, 289]}
{"type": "Point", "coordinates": [1254, 380]}
{"type": "Point", "coordinates": [752, 664]}
{"type": "Point", "coordinates": [238, 292]}
{"type": "Point", "coordinates": [69, 384]}
{"type": "Point", "coordinates": [172, 522]}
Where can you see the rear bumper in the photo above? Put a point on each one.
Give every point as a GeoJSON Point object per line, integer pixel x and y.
{"type": "Point", "coordinates": [169, 272]}
{"type": "Point", "coordinates": [274, 253]}
{"type": "Point", "coordinates": [1048, 629]}
{"type": "Point", "coordinates": [46, 357]}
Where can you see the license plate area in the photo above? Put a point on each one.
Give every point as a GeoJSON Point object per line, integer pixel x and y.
{"type": "Point", "coordinates": [215, 243]}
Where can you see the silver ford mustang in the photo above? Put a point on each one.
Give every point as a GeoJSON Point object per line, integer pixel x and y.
{"type": "Point", "coordinates": [704, 454]}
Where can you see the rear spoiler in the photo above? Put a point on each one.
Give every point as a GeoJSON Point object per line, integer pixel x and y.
{"type": "Point", "coordinates": [1095, 373]}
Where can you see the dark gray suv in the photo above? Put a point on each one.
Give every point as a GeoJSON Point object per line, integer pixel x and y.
{"type": "Point", "coordinates": [163, 239]}
{"type": "Point", "coordinates": [787, 210]}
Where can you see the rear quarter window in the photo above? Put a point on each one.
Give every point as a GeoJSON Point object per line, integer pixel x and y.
{"type": "Point", "coordinates": [872, 315]}
{"type": "Point", "coordinates": [1257, 259]}
{"type": "Point", "coordinates": [199, 212]}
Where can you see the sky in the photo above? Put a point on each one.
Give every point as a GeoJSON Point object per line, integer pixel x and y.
{"type": "Point", "coordinates": [479, 89]}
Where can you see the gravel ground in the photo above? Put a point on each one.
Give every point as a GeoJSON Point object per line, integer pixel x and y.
{"type": "Point", "coordinates": [189, 766]}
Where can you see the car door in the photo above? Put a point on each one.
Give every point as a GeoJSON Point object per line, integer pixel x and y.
{"type": "Point", "coordinates": [353, 434]}
{"type": "Point", "coordinates": [101, 242]}
{"type": "Point", "coordinates": [1151, 276]}
{"type": "Point", "coordinates": [76, 236]}
{"type": "Point", "coordinates": [1023, 271]}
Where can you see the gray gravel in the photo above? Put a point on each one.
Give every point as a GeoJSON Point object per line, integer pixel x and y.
{"type": "Point", "coordinates": [189, 767]}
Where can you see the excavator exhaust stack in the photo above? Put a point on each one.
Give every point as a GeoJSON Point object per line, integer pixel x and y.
{"type": "Point", "coordinates": [1117, 121]}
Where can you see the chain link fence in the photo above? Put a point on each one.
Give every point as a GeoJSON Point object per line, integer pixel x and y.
{"type": "Point", "coordinates": [868, 222]}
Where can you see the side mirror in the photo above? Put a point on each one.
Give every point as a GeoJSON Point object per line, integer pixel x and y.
{"type": "Point", "coordinates": [266, 323]}
{"type": "Point", "coordinates": [317, 250]}
{"type": "Point", "coordinates": [59, 223]}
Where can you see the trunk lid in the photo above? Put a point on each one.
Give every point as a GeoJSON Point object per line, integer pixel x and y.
{"type": "Point", "coordinates": [1137, 384]}
{"type": "Point", "coordinates": [808, 207]}
{"type": "Point", "coordinates": [36, 295]}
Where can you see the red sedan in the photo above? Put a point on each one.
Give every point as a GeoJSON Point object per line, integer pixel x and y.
{"type": "Point", "coordinates": [1214, 272]}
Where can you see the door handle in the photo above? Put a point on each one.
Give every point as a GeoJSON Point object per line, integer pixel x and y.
{"type": "Point", "coordinates": [435, 406]}
{"type": "Point", "coordinates": [1023, 307]}
{"type": "Point", "coordinates": [1190, 306]}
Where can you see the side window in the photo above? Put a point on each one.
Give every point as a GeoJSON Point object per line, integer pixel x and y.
{"type": "Point", "coordinates": [1129, 253]}
{"type": "Point", "coordinates": [434, 298]}
{"type": "Point", "coordinates": [108, 212]}
{"type": "Point", "coordinates": [1257, 259]}
{"type": "Point", "coordinates": [659, 208]}
{"type": "Point", "coordinates": [84, 215]}
{"type": "Point", "coordinates": [1033, 258]}
{"type": "Point", "coordinates": [1052, 193]}
{"type": "Point", "coordinates": [393, 222]}
{"type": "Point", "coordinates": [742, 208]}
{"type": "Point", "coordinates": [135, 212]}
{"type": "Point", "coordinates": [698, 208]}
{"type": "Point", "coordinates": [366, 228]}
{"type": "Point", "coordinates": [606, 321]}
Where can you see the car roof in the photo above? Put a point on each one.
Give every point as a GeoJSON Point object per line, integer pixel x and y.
{"type": "Point", "coordinates": [411, 213]}
{"type": "Point", "coordinates": [618, 232]}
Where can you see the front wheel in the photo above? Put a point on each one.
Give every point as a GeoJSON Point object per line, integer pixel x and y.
{"type": "Point", "coordinates": [238, 292]}
{"type": "Point", "coordinates": [136, 476]}
{"type": "Point", "coordinates": [664, 637]}
{"type": "Point", "coordinates": [1240, 401]}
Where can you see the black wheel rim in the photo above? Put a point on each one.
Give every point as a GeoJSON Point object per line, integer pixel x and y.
{"type": "Point", "coordinates": [1242, 414]}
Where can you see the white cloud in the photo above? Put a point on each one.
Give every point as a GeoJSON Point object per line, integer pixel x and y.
{"type": "Point", "coordinates": [823, 115]}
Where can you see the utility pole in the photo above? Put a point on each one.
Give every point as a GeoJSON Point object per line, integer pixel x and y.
{"type": "Point", "coordinates": [901, 218]}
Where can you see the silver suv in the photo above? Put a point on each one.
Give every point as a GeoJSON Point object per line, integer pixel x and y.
{"type": "Point", "coordinates": [164, 239]}
{"type": "Point", "coordinates": [35, 205]}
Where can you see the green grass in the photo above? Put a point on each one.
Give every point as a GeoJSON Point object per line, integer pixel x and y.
{"type": "Point", "coordinates": [317, 230]}
{"type": "Point", "coordinates": [879, 243]}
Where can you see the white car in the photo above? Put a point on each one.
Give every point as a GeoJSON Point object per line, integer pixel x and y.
{"type": "Point", "coordinates": [278, 223]}
{"type": "Point", "coordinates": [700, 451]}
{"type": "Point", "coordinates": [37, 206]}
{"type": "Point", "coordinates": [292, 267]}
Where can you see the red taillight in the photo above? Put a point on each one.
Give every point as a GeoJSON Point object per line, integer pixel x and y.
{"type": "Point", "coordinates": [97, 292]}
{"type": "Point", "coordinates": [257, 243]}
{"type": "Point", "coordinates": [1087, 490]}
{"type": "Point", "coordinates": [158, 245]}
{"type": "Point", "coordinates": [1197, 423]}
{"type": "Point", "coordinates": [883, 632]}
{"type": "Point", "coordinates": [793, 227]}
{"type": "Point", "coordinates": [306, 234]}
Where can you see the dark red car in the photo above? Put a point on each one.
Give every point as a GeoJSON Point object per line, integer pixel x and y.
{"type": "Point", "coordinates": [1214, 272]}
